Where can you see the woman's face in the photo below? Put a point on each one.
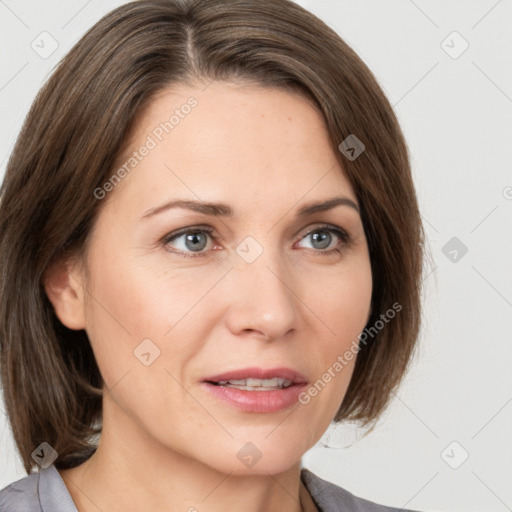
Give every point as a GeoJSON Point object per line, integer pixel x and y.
{"type": "Point", "coordinates": [263, 287]}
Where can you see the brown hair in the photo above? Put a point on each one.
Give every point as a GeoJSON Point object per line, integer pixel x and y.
{"type": "Point", "coordinates": [68, 147]}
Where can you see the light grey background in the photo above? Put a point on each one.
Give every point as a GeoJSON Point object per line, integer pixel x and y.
{"type": "Point", "coordinates": [456, 114]}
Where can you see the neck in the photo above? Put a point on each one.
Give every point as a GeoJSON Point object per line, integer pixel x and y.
{"type": "Point", "coordinates": [132, 471]}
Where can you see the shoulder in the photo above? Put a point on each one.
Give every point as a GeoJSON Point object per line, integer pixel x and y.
{"type": "Point", "coordinates": [332, 498]}
{"type": "Point", "coordinates": [44, 491]}
{"type": "Point", "coordinates": [21, 496]}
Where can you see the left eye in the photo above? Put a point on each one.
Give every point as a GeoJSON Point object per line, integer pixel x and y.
{"type": "Point", "coordinates": [321, 238]}
{"type": "Point", "coordinates": [194, 242]}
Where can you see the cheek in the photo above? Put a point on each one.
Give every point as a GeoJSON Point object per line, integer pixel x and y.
{"type": "Point", "coordinates": [155, 287]}
{"type": "Point", "coordinates": [341, 302]}
{"type": "Point", "coordinates": [134, 301]}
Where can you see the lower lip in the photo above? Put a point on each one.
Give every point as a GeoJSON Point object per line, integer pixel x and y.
{"type": "Point", "coordinates": [273, 400]}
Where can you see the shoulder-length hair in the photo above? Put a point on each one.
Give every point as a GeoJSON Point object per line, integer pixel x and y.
{"type": "Point", "coordinates": [68, 146]}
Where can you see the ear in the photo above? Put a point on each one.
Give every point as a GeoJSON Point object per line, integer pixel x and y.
{"type": "Point", "coordinates": [64, 285]}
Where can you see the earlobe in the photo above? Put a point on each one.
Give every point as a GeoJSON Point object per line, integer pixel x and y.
{"type": "Point", "coordinates": [64, 288]}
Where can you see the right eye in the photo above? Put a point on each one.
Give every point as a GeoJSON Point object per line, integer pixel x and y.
{"type": "Point", "coordinates": [188, 241]}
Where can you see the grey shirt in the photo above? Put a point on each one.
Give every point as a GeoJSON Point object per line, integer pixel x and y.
{"type": "Point", "coordinates": [45, 491]}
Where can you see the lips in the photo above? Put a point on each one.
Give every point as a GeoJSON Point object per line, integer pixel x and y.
{"type": "Point", "coordinates": [257, 390]}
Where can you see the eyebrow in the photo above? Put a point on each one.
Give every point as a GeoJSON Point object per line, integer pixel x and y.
{"type": "Point", "coordinates": [223, 210]}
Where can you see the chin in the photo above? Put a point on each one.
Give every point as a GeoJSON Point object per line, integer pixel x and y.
{"type": "Point", "coordinates": [257, 455]}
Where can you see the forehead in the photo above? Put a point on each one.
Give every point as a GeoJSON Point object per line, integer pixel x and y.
{"type": "Point", "coordinates": [244, 145]}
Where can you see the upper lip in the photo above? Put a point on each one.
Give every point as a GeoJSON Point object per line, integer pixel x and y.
{"type": "Point", "coordinates": [259, 373]}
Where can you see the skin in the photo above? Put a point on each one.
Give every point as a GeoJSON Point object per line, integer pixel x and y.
{"type": "Point", "coordinates": [167, 444]}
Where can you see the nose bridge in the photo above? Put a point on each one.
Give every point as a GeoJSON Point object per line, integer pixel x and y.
{"type": "Point", "coordinates": [262, 296]}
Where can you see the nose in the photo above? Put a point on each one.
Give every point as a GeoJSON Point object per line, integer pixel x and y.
{"type": "Point", "coordinates": [262, 297]}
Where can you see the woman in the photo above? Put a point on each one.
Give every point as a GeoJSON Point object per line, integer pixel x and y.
{"type": "Point", "coordinates": [205, 260]}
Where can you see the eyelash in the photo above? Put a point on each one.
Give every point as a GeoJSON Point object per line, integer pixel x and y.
{"type": "Point", "coordinates": [340, 233]}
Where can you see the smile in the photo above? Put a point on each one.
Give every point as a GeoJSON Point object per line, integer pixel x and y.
{"type": "Point", "coordinates": [256, 384]}
{"type": "Point", "coordinates": [257, 390]}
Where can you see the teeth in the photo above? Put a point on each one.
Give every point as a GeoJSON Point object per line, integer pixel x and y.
{"type": "Point", "coordinates": [256, 384]}
{"type": "Point", "coordinates": [239, 382]}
